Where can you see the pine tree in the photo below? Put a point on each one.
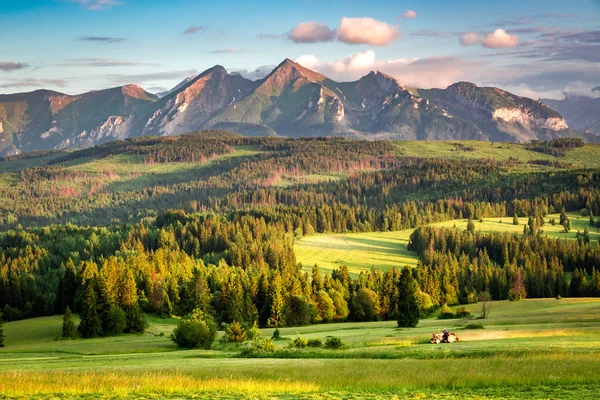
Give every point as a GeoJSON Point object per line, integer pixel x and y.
{"type": "Point", "coordinates": [515, 219]}
{"type": "Point", "coordinates": [563, 216]}
{"type": "Point", "coordinates": [408, 299]}
{"type": "Point", "coordinates": [1, 331]}
{"type": "Point", "coordinates": [68, 330]}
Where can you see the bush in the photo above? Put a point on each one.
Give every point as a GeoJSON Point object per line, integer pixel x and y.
{"type": "Point", "coordinates": [196, 330]}
{"type": "Point", "coordinates": [276, 334]}
{"type": "Point", "coordinates": [559, 297]}
{"type": "Point", "coordinates": [115, 321]}
{"type": "Point", "coordinates": [462, 313]}
{"type": "Point", "coordinates": [299, 343]}
{"type": "Point", "coordinates": [235, 333]}
{"type": "Point", "coordinates": [446, 313]}
{"type": "Point", "coordinates": [265, 344]}
{"type": "Point", "coordinates": [315, 343]}
{"type": "Point", "coordinates": [253, 332]}
{"type": "Point", "coordinates": [332, 342]}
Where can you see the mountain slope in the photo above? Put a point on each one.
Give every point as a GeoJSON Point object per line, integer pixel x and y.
{"type": "Point", "coordinates": [581, 112]}
{"type": "Point", "coordinates": [46, 120]}
{"type": "Point", "coordinates": [291, 101]}
{"type": "Point", "coordinates": [188, 108]}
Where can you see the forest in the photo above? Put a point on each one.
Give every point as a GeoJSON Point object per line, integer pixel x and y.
{"type": "Point", "coordinates": [219, 237]}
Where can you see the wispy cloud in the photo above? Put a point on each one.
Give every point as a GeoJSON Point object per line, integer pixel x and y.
{"type": "Point", "coordinates": [101, 39]}
{"type": "Point", "coordinates": [96, 5]}
{"type": "Point", "coordinates": [409, 14]}
{"type": "Point", "coordinates": [228, 51]}
{"type": "Point", "coordinates": [8, 66]}
{"type": "Point", "coordinates": [32, 82]}
{"type": "Point", "coordinates": [195, 29]}
{"type": "Point", "coordinates": [104, 62]}
{"type": "Point", "coordinates": [122, 79]}
{"type": "Point", "coordinates": [270, 36]}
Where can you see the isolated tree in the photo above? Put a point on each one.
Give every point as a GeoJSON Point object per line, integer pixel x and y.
{"type": "Point", "coordinates": [563, 216]}
{"type": "Point", "coordinates": [484, 298]}
{"type": "Point", "coordinates": [515, 219]}
{"type": "Point", "coordinates": [68, 330]}
{"type": "Point", "coordinates": [235, 333]}
{"type": "Point", "coordinates": [1, 331]}
{"type": "Point", "coordinates": [408, 299]}
{"type": "Point", "coordinates": [196, 330]}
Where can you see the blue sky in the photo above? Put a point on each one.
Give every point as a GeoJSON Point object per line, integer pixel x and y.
{"type": "Point", "coordinates": [530, 47]}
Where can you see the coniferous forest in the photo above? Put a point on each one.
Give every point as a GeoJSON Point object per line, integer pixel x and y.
{"type": "Point", "coordinates": [208, 222]}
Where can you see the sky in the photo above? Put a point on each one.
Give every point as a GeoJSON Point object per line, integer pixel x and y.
{"type": "Point", "coordinates": [534, 48]}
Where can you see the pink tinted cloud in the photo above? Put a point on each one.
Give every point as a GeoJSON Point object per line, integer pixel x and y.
{"type": "Point", "coordinates": [351, 30]}
{"type": "Point", "coordinates": [410, 14]}
{"type": "Point", "coordinates": [499, 39]}
{"type": "Point", "coordinates": [469, 39]}
{"type": "Point", "coordinates": [311, 32]}
{"type": "Point", "coordinates": [367, 31]}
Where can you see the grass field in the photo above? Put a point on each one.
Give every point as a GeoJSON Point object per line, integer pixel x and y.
{"type": "Point", "coordinates": [583, 157]}
{"type": "Point", "coordinates": [537, 348]}
{"type": "Point", "coordinates": [384, 250]}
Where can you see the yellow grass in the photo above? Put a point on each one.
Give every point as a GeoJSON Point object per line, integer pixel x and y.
{"type": "Point", "coordinates": [116, 382]}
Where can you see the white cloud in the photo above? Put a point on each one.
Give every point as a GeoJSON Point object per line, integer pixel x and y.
{"type": "Point", "coordinates": [97, 5]}
{"type": "Point", "coordinates": [311, 32]}
{"type": "Point", "coordinates": [351, 30]}
{"type": "Point", "coordinates": [309, 61]}
{"type": "Point", "coordinates": [469, 39]}
{"type": "Point", "coordinates": [499, 39]}
{"type": "Point", "coordinates": [367, 31]}
{"type": "Point", "coordinates": [423, 73]}
{"type": "Point", "coordinates": [409, 14]}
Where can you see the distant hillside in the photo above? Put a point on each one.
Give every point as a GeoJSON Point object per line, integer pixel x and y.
{"type": "Point", "coordinates": [291, 101]}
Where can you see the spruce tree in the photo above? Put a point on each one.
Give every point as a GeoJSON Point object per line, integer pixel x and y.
{"type": "Point", "coordinates": [470, 225]}
{"type": "Point", "coordinates": [90, 325]}
{"type": "Point", "coordinates": [515, 219]}
{"type": "Point", "coordinates": [68, 330]}
{"type": "Point", "coordinates": [408, 299]}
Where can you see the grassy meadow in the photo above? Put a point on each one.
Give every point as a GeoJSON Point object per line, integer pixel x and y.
{"type": "Point", "coordinates": [536, 346]}
{"type": "Point", "coordinates": [384, 250]}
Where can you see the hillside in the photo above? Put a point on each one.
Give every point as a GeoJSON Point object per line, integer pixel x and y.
{"type": "Point", "coordinates": [291, 101]}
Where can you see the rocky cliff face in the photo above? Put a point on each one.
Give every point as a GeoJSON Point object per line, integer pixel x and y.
{"type": "Point", "coordinates": [292, 101]}
{"type": "Point", "coordinates": [580, 112]}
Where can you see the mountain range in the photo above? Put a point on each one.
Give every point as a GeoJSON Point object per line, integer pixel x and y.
{"type": "Point", "coordinates": [291, 101]}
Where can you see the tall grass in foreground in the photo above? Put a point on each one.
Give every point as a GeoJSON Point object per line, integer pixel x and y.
{"type": "Point", "coordinates": [118, 383]}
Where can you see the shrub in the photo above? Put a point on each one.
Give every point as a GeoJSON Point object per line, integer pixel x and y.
{"type": "Point", "coordinates": [559, 297]}
{"type": "Point", "coordinates": [299, 343]}
{"type": "Point", "coordinates": [265, 344]}
{"type": "Point", "coordinates": [235, 333]}
{"type": "Point", "coordinates": [276, 334]}
{"type": "Point", "coordinates": [196, 330]}
{"type": "Point", "coordinates": [253, 332]}
{"type": "Point", "coordinates": [446, 313]}
{"type": "Point", "coordinates": [115, 321]}
{"type": "Point", "coordinates": [315, 343]}
{"type": "Point", "coordinates": [332, 342]}
{"type": "Point", "coordinates": [462, 313]}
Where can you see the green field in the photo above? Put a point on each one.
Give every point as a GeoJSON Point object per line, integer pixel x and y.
{"type": "Point", "coordinates": [545, 348]}
{"type": "Point", "coordinates": [384, 250]}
